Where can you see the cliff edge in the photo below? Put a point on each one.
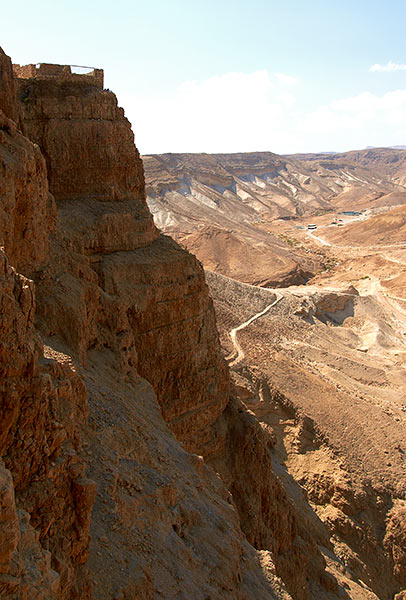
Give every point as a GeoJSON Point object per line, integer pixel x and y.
{"type": "Point", "coordinates": [113, 383]}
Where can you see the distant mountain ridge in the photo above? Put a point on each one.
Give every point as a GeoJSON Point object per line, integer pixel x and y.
{"type": "Point", "coordinates": [259, 186]}
{"type": "Point", "coordinates": [392, 147]}
{"type": "Point", "coordinates": [387, 162]}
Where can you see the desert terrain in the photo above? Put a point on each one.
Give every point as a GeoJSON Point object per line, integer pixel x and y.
{"type": "Point", "coordinates": [323, 364]}
{"type": "Point", "coordinates": [159, 442]}
{"type": "Point", "coordinates": [221, 206]}
{"type": "Point", "coordinates": [129, 467]}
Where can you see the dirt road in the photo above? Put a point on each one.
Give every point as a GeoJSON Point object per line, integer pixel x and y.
{"type": "Point", "coordinates": [233, 332]}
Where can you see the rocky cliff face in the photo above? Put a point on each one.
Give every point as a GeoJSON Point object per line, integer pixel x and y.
{"type": "Point", "coordinates": [111, 341]}
{"type": "Point", "coordinates": [7, 89]}
{"type": "Point", "coordinates": [45, 496]}
{"type": "Point", "coordinates": [163, 318]}
{"type": "Point", "coordinates": [82, 132]}
{"type": "Point", "coordinates": [25, 225]}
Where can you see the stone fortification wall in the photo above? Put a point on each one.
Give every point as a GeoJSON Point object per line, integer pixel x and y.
{"type": "Point", "coordinates": [64, 72]}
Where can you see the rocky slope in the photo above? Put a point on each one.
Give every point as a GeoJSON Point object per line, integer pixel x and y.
{"type": "Point", "coordinates": [110, 364]}
{"type": "Point", "coordinates": [325, 370]}
{"type": "Point", "coordinates": [387, 228]}
{"type": "Point", "coordinates": [262, 185]}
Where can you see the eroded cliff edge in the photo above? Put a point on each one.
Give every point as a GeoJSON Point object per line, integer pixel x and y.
{"type": "Point", "coordinates": [110, 338]}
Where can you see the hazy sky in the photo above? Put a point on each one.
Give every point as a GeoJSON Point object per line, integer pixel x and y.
{"type": "Point", "coordinates": [232, 75]}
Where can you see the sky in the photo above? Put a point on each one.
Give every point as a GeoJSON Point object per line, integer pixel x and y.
{"type": "Point", "coordinates": [232, 76]}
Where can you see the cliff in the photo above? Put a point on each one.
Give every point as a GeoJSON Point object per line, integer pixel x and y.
{"type": "Point", "coordinates": [46, 499]}
{"type": "Point", "coordinates": [111, 376]}
{"type": "Point", "coordinates": [150, 305]}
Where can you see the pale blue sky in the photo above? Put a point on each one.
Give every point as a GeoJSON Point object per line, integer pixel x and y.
{"type": "Point", "coordinates": [231, 75]}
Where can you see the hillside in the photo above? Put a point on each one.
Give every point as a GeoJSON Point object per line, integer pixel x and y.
{"type": "Point", "coordinates": [388, 227]}
{"type": "Point", "coordinates": [132, 466]}
{"type": "Point", "coordinates": [223, 206]}
{"type": "Point", "coordinates": [323, 364]}
{"type": "Point", "coordinates": [324, 369]}
{"type": "Point", "coordinates": [263, 186]}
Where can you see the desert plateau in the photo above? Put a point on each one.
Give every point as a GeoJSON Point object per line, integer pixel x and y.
{"type": "Point", "coordinates": [202, 360]}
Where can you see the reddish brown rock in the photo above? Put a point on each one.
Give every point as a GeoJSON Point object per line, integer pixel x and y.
{"type": "Point", "coordinates": [395, 540]}
{"type": "Point", "coordinates": [43, 401]}
{"type": "Point", "coordinates": [8, 102]}
{"type": "Point", "coordinates": [26, 211]}
{"type": "Point", "coordinates": [151, 307]}
{"type": "Point", "coordinates": [267, 516]}
{"type": "Point", "coordinates": [111, 292]}
{"type": "Point", "coordinates": [43, 404]}
{"type": "Point", "coordinates": [87, 141]}
{"type": "Point", "coordinates": [9, 528]}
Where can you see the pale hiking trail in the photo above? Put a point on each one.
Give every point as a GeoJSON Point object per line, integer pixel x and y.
{"type": "Point", "coordinates": [233, 332]}
{"type": "Point", "coordinates": [319, 239]}
{"type": "Point", "coordinates": [373, 290]}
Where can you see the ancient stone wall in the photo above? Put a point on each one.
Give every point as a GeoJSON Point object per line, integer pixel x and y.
{"type": "Point", "coordinates": [63, 72]}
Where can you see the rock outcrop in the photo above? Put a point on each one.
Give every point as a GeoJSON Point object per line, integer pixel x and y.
{"type": "Point", "coordinates": [82, 132]}
{"type": "Point", "coordinates": [45, 496]}
{"type": "Point", "coordinates": [7, 89]}
{"type": "Point", "coordinates": [110, 362]}
{"type": "Point", "coordinates": [163, 318]}
{"type": "Point", "coordinates": [267, 517]}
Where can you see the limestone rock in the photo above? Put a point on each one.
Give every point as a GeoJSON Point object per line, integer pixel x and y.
{"type": "Point", "coordinates": [395, 539]}
{"type": "Point", "coordinates": [106, 291]}
{"type": "Point", "coordinates": [9, 530]}
{"type": "Point", "coordinates": [43, 403]}
{"type": "Point", "coordinates": [149, 302]}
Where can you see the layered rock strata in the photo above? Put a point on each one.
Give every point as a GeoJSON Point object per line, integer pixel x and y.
{"type": "Point", "coordinates": [163, 318]}
{"type": "Point", "coordinates": [110, 303]}
{"type": "Point", "coordinates": [45, 497]}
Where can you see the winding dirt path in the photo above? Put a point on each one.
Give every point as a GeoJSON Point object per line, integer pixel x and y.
{"type": "Point", "coordinates": [233, 332]}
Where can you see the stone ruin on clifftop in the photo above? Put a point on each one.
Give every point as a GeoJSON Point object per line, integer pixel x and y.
{"type": "Point", "coordinates": [62, 72]}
